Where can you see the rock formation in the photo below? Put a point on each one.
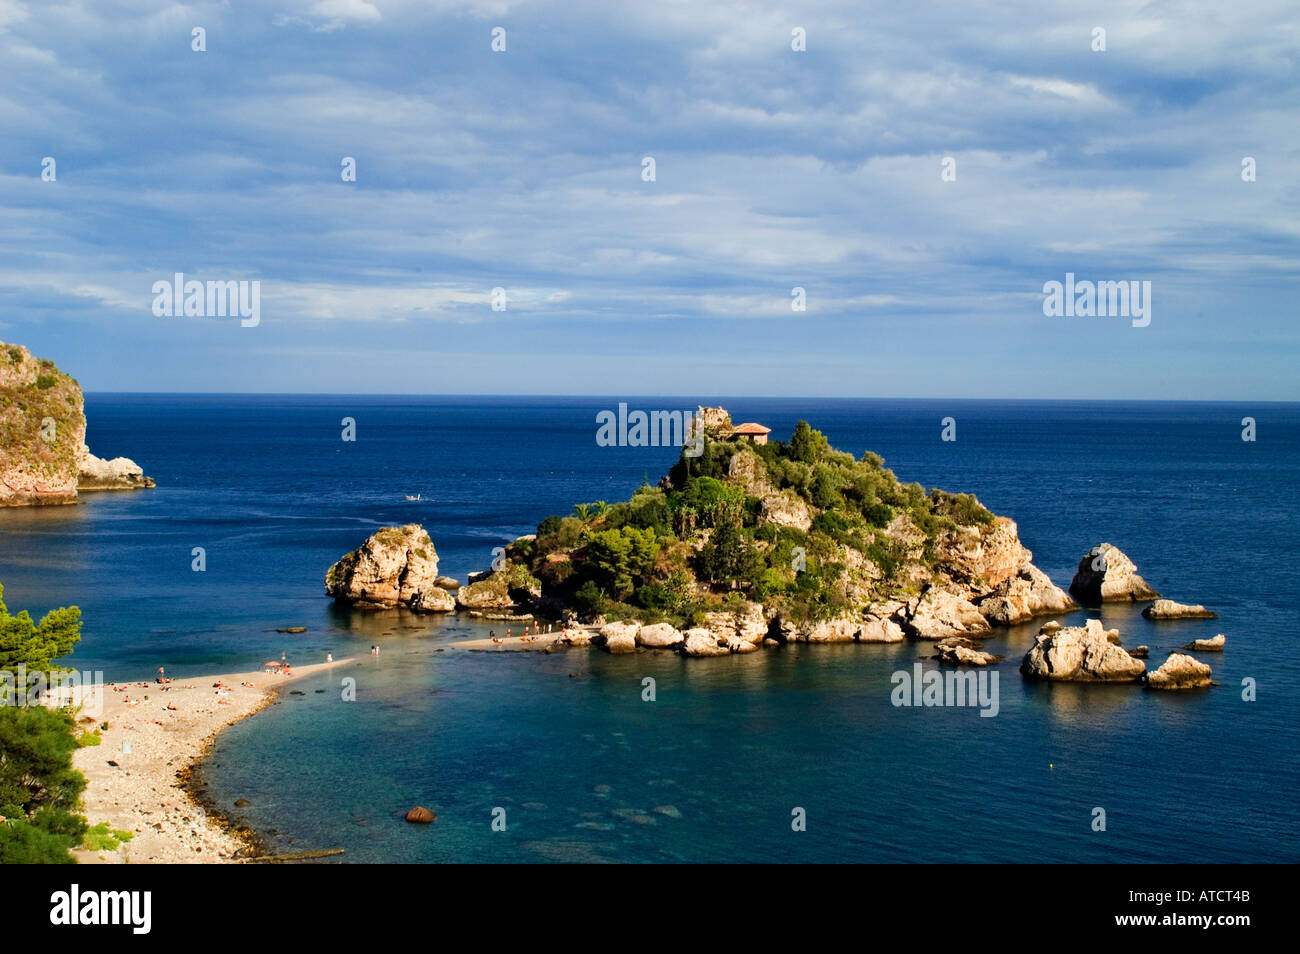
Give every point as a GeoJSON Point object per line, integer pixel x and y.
{"type": "Point", "coordinates": [1214, 645]}
{"type": "Point", "coordinates": [1106, 575]}
{"type": "Point", "coordinates": [660, 636]}
{"type": "Point", "coordinates": [1029, 592]}
{"type": "Point", "coordinates": [509, 588]}
{"type": "Point", "coordinates": [396, 566]}
{"type": "Point", "coordinates": [941, 614]}
{"type": "Point", "coordinates": [43, 455]}
{"type": "Point", "coordinates": [1080, 654]}
{"type": "Point", "coordinates": [1180, 672]}
{"type": "Point", "coordinates": [956, 651]}
{"type": "Point", "coordinates": [620, 637]}
{"type": "Point", "coordinates": [1168, 609]}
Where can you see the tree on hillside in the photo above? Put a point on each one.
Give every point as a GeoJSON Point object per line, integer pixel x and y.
{"type": "Point", "coordinates": [37, 645]}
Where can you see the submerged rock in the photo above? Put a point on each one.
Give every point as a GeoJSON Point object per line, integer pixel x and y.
{"type": "Point", "coordinates": [963, 652]}
{"type": "Point", "coordinates": [1180, 672]}
{"type": "Point", "coordinates": [1029, 592]}
{"type": "Point", "coordinates": [1106, 575]}
{"type": "Point", "coordinates": [1140, 652]}
{"type": "Point", "coordinates": [396, 566]}
{"type": "Point", "coordinates": [1214, 645]}
{"type": "Point", "coordinates": [1080, 654]}
{"type": "Point", "coordinates": [1168, 609]}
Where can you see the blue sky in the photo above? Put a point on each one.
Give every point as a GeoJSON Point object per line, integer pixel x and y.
{"type": "Point", "coordinates": [774, 169]}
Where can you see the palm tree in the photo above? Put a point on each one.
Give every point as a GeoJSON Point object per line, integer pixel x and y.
{"type": "Point", "coordinates": [582, 512]}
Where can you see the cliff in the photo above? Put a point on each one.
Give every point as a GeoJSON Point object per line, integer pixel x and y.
{"type": "Point", "coordinates": [43, 453]}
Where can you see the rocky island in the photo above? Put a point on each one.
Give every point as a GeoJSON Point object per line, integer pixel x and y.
{"type": "Point", "coordinates": [43, 454]}
{"type": "Point", "coordinates": [748, 543]}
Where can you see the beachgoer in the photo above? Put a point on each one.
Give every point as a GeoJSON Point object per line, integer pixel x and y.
{"type": "Point", "coordinates": [329, 657]}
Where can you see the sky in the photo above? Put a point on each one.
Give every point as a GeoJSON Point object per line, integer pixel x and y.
{"type": "Point", "coordinates": [774, 168]}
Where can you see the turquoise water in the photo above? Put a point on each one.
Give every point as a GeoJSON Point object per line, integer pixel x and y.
{"type": "Point", "coordinates": [712, 770]}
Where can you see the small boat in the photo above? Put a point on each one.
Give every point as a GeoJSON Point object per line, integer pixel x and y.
{"type": "Point", "coordinates": [416, 497]}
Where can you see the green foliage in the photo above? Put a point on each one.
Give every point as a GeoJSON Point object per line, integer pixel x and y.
{"type": "Point", "coordinates": [618, 559]}
{"type": "Point", "coordinates": [807, 445]}
{"type": "Point", "coordinates": [45, 381]}
{"type": "Point", "coordinates": [101, 838]}
{"type": "Point", "coordinates": [590, 599]}
{"type": "Point", "coordinates": [15, 355]}
{"type": "Point", "coordinates": [548, 527]}
{"type": "Point", "coordinates": [34, 645]}
{"type": "Point", "coordinates": [39, 788]}
{"type": "Point", "coordinates": [730, 557]}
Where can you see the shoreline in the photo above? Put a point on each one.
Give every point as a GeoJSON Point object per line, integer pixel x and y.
{"type": "Point", "coordinates": [154, 791]}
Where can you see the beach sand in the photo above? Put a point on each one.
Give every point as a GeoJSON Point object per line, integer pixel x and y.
{"type": "Point", "coordinates": [542, 642]}
{"type": "Point", "coordinates": [144, 793]}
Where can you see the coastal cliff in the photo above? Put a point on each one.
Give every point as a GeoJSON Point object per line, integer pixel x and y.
{"type": "Point", "coordinates": [43, 454]}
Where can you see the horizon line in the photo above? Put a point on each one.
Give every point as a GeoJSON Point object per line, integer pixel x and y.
{"type": "Point", "coordinates": [697, 398]}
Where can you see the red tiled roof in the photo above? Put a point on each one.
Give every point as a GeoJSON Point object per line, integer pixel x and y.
{"type": "Point", "coordinates": [749, 427]}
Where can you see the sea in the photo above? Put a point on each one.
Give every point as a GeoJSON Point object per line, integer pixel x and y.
{"type": "Point", "coordinates": [786, 755]}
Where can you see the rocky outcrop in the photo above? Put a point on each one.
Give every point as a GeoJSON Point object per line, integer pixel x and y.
{"type": "Point", "coordinates": [784, 508]}
{"type": "Point", "coordinates": [963, 652]}
{"type": "Point", "coordinates": [1080, 654]}
{"type": "Point", "coordinates": [619, 638]}
{"type": "Point", "coordinates": [1106, 575]}
{"type": "Point", "coordinates": [1214, 645]}
{"type": "Point", "coordinates": [1027, 593]}
{"type": "Point", "coordinates": [941, 614]}
{"type": "Point", "coordinates": [701, 642]}
{"type": "Point", "coordinates": [419, 815]}
{"type": "Point", "coordinates": [120, 473]}
{"type": "Point", "coordinates": [508, 588]}
{"type": "Point", "coordinates": [870, 628]}
{"type": "Point", "coordinates": [738, 631]}
{"type": "Point", "coordinates": [396, 566]}
{"type": "Point", "coordinates": [1168, 609]}
{"type": "Point", "coordinates": [981, 556]}
{"type": "Point", "coordinates": [43, 454]}
{"type": "Point", "coordinates": [1180, 672]}
{"type": "Point", "coordinates": [42, 430]}
{"type": "Point", "coordinates": [660, 636]}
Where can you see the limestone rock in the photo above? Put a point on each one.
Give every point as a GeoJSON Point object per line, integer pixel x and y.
{"type": "Point", "coordinates": [620, 637]}
{"type": "Point", "coordinates": [1106, 575]}
{"type": "Point", "coordinates": [120, 473]}
{"type": "Point", "coordinates": [748, 626]}
{"type": "Point", "coordinates": [958, 651]}
{"type": "Point", "coordinates": [1080, 654]}
{"type": "Point", "coordinates": [1214, 645]}
{"type": "Point", "coordinates": [42, 430]}
{"type": "Point", "coordinates": [396, 566]}
{"type": "Point", "coordinates": [847, 629]}
{"type": "Point", "coordinates": [1168, 609]}
{"type": "Point", "coordinates": [419, 815]}
{"type": "Point", "coordinates": [660, 636]}
{"type": "Point", "coordinates": [981, 556]}
{"type": "Point", "coordinates": [510, 587]}
{"type": "Point", "coordinates": [1029, 592]}
{"type": "Point", "coordinates": [939, 614]}
{"type": "Point", "coordinates": [1180, 672]}
{"type": "Point", "coordinates": [1141, 652]}
{"type": "Point", "coordinates": [702, 642]}
{"type": "Point", "coordinates": [451, 584]}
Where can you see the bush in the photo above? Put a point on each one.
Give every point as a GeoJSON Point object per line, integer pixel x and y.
{"type": "Point", "coordinates": [39, 788]}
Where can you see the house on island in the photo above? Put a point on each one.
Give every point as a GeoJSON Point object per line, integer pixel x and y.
{"type": "Point", "coordinates": [751, 432]}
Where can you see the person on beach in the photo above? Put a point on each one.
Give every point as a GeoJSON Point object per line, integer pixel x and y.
{"type": "Point", "coordinates": [162, 679]}
{"type": "Point", "coordinates": [329, 657]}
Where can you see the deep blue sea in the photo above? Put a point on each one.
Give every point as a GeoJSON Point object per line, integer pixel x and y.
{"type": "Point", "coordinates": [565, 744]}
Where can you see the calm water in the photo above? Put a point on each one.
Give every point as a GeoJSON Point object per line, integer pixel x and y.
{"type": "Point", "coordinates": [564, 743]}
